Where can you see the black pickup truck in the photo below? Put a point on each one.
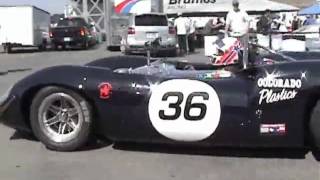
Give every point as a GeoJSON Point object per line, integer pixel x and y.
{"type": "Point", "coordinates": [72, 32]}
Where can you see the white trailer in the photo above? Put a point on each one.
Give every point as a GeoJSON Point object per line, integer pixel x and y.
{"type": "Point", "coordinates": [23, 26]}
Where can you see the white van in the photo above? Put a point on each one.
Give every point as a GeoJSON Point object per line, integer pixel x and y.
{"type": "Point", "coordinates": [146, 28]}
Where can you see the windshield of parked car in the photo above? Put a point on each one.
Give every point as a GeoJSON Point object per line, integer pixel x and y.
{"type": "Point", "coordinates": [264, 55]}
{"type": "Point", "coordinates": [310, 28]}
{"type": "Point", "coordinates": [72, 22]}
{"type": "Point", "coordinates": [151, 20]}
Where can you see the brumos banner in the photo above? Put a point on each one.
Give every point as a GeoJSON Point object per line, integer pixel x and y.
{"type": "Point", "coordinates": [132, 6]}
{"type": "Point", "coordinates": [216, 6]}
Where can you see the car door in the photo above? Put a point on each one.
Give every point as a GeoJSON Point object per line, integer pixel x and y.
{"type": "Point", "coordinates": [205, 112]}
{"type": "Point", "coordinates": [259, 106]}
{"type": "Point", "coordinates": [237, 124]}
{"type": "Point", "coordinates": [237, 110]}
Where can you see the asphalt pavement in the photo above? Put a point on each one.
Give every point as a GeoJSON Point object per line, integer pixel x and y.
{"type": "Point", "coordinates": [23, 158]}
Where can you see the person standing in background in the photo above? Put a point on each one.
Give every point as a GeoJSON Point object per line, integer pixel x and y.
{"type": "Point", "coordinates": [283, 24]}
{"type": "Point", "coordinates": [295, 23]}
{"type": "Point", "coordinates": [213, 26]}
{"type": "Point", "coordinates": [309, 21]}
{"type": "Point", "coordinates": [192, 35]}
{"type": "Point", "coordinates": [237, 25]}
{"type": "Point", "coordinates": [181, 25]}
{"type": "Point", "coordinates": [264, 24]}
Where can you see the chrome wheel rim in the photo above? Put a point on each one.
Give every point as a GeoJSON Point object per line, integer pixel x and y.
{"type": "Point", "coordinates": [60, 117]}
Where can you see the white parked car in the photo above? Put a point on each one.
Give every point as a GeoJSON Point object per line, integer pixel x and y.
{"type": "Point", "coordinates": [310, 31]}
{"type": "Point", "coordinates": [312, 35]}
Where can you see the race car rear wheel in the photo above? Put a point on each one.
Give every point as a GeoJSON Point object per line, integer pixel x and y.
{"type": "Point", "coordinates": [314, 126]}
{"type": "Point", "coordinates": [60, 118]}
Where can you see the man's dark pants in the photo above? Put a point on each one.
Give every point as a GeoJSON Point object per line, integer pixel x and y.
{"type": "Point", "coordinates": [182, 40]}
{"type": "Point", "coordinates": [191, 42]}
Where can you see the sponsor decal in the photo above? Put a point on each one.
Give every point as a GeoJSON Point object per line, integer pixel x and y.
{"type": "Point", "coordinates": [216, 75]}
{"type": "Point", "coordinates": [184, 110]}
{"type": "Point", "coordinates": [175, 6]}
{"type": "Point", "coordinates": [105, 90]}
{"type": "Point", "coordinates": [181, 2]}
{"type": "Point", "coordinates": [273, 129]}
{"type": "Point", "coordinates": [131, 6]}
{"type": "Point", "coordinates": [278, 89]}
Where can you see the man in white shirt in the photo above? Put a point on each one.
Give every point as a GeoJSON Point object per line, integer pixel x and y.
{"type": "Point", "coordinates": [237, 21]}
{"type": "Point", "coordinates": [237, 25]}
{"type": "Point", "coordinates": [181, 24]}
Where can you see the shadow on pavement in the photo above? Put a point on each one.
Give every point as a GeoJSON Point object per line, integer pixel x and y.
{"type": "Point", "coordinates": [36, 50]}
{"type": "Point", "coordinates": [316, 155]}
{"type": "Point", "coordinates": [94, 143]}
{"type": "Point", "coordinates": [223, 152]}
{"type": "Point", "coordinates": [91, 48]}
{"type": "Point", "coordinates": [98, 142]}
{"type": "Point", "coordinates": [17, 135]}
{"type": "Point", "coordinates": [22, 51]}
{"type": "Point", "coordinates": [6, 72]}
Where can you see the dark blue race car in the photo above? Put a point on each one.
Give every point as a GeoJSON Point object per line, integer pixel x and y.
{"type": "Point", "coordinates": [274, 102]}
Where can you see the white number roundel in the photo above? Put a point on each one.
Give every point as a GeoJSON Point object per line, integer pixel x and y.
{"type": "Point", "coordinates": [184, 110]}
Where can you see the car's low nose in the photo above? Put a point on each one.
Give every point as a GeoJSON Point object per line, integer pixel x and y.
{"type": "Point", "coordinates": [5, 100]}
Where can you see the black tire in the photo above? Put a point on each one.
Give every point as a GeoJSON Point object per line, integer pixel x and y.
{"type": "Point", "coordinates": [114, 48]}
{"type": "Point", "coordinates": [64, 47]}
{"type": "Point", "coordinates": [85, 45]}
{"type": "Point", "coordinates": [127, 53]}
{"type": "Point", "coordinates": [37, 121]}
{"type": "Point", "coordinates": [42, 47]}
{"type": "Point", "coordinates": [314, 127]}
{"type": "Point", "coordinates": [7, 49]}
{"type": "Point", "coordinates": [172, 53]}
{"type": "Point", "coordinates": [56, 47]}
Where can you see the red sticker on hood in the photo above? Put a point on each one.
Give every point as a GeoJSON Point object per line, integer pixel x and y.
{"type": "Point", "coordinates": [105, 90]}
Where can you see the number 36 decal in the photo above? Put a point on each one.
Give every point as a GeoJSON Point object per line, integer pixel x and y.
{"type": "Point", "coordinates": [188, 106]}
{"type": "Point", "coordinates": [184, 110]}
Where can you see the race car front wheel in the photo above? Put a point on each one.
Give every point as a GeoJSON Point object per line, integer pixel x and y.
{"type": "Point", "coordinates": [314, 126]}
{"type": "Point", "coordinates": [60, 118]}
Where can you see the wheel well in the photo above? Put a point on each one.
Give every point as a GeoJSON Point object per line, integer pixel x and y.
{"type": "Point", "coordinates": [31, 93]}
{"type": "Point", "coordinates": [310, 105]}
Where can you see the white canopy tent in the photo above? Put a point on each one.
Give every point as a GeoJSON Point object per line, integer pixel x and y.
{"type": "Point", "coordinates": [222, 6]}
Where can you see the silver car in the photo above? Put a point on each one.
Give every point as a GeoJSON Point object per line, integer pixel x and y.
{"type": "Point", "coordinates": [147, 28]}
{"type": "Point", "coordinates": [312, 35]}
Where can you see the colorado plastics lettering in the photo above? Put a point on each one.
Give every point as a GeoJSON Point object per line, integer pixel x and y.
{"type": "Point", "coordinates": [270, 95]}
{"type": "Point", "coordinates": [279, 83]}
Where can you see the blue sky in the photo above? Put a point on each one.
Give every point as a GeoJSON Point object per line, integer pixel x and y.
{"type": "Point", "coordinates": [53, 6]}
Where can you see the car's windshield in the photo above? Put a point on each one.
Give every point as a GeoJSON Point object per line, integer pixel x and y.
{"type": "Point", "coordinates": [263, 53]}
{"type": "Point", "coordinates": [76, 22]}
{"type": "Point", "coordinates": [151, 20]}
{"type": "Point", "coordinates": [311, 28]}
